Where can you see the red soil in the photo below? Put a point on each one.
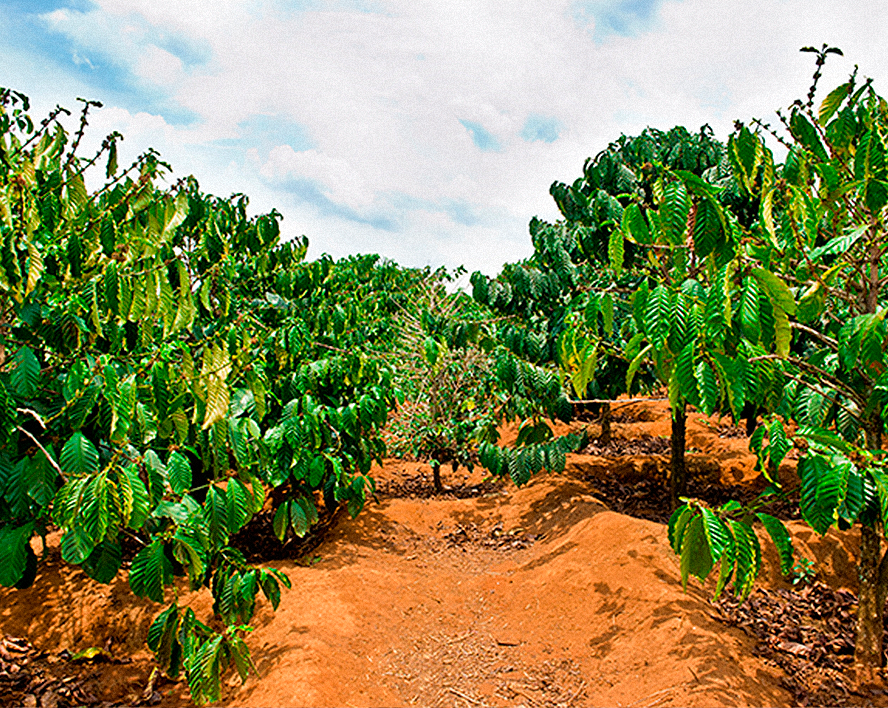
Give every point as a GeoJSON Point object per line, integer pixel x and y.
{"type": "Point", "coordinates": [533, 596]}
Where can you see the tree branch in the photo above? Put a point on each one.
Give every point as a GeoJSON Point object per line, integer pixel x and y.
{"type": "Point", "coordinates": [42, 449]}
{"type": "Point", "coordinates": [835, 383]}
{"type": "Point", "coordinates": [829, 341]}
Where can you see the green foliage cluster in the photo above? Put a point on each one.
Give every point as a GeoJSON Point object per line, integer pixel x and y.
{"type": "Point", "coordinates": [169, 369]}
{"type": "Point", "coordinates": [741, 286]}
{"type": "Point", "coordinates": [460, 381]}
{"type": "Point", "coordinates": [447, 386]}
{"type": "Point", "coordinates": [167, 363]}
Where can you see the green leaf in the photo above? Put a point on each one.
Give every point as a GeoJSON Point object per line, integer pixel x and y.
{"type": "Point", "coordinates": [160, 626]}
{"type": "Point", "coordinates": [782, 541]}
{"type": "Point", "coordinates": [25, 373]}
{"type": "Point", "coordinates": [178, 471]}
{"type": "Point", "coordinates": [745, 152]}
{"type": "Point", "coordinates": [239, 503]}
{"type": "Point", "coordinates": [94, 513]}
{"type": "Point", "coordinates": [104, 561]}
{"type": "Point", "coordinates": [14, 546]}
{"type": "Point", "coordinates": [820, 491]}
{"type": "Point", "coordinates": [726, 567]}
{"type": "Point", "coordinates": [782, 333]}
{"type": "Point", "coordinates": [188, 549]}
{"type": "Point", "coordinates": [634, 224]}
{"type": "Point", "coordinates": [164, 642]}
{"type": "Point", "coordinates": [658, 315]}
{"type": "Point", "coordinates": [778, 444]}
{"type": "Point", "coordinates": [812, 303]}
{"type": "Point", "coordinates": [824, 438]}
{"type": "Point", "coordinates": [635, 363]}
{"type": "Point", "coordinates": [674, 211]}
{"type": "Point", "coordinates": [111, 168]}
{"type": "Point", "coordinates": [204, 672]}
{"type": "Point", "coordinates": [749, 558]}
{"type": "Point", "coordinates": [317, 470]}
{"type": "Point", "coordinates": [270, 588]}
{"type": "Point", "coordinates": [281, 520]}
{"type": "Point", "coordinates": [240, 653]}
{"type": "Point", "coordinates": [79, 456]}
{"type": "Point", "coordinates": [696, 558]}
{"type": "Point", "coordinates": [777, 291]}
{"type": "Point", "coordinates": [806, 134]}
{"type": "Point", "coordinates": [607, 313]}
{"type": "Point", "coordinates": [748, 310]}
{"type": "Point", "coordinates": [707, 384]}
{"type": "Point", "coordinates": [616, 250]}
{"type": "Point", "coordinates": [717, 534]}
{"type": "Point", "coordinates": [237, 437]}
{"type": "Point", "coordinates": [77, 545]}
{"type": "Point", "coordinates": [431, 350]}
{"type": "Point", "coordinates": [215, 511]}
{"type": "Point", "coordinates": [39, 476]}
{"type": "Point", "coordinates": [150, 571]}
{"type": "Point", "coordinates": [75, 381]}
{"type": "Point", "coordinates": [676, 528]}
{"type": "Point", "coordinates": [831, 103]}
{"type": "Point", "coordinates": [299, 519]}
{"type": "Point", "coordinates": [840, 244]}
{"type": "Point", "coordinates": [707, 227]}
{"type": "Point", "coordinates": [141, 501]}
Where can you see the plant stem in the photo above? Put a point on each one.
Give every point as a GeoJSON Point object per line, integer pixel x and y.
{"type": "Point", "coordinates": [678, 477]}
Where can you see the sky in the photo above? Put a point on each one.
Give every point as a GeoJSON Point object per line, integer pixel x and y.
{"type": "Point", "coordinates": [427, 132]}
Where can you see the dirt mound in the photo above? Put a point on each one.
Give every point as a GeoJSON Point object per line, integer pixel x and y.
{"type": "Point", "coordinates": [406, 605]}
{"type": "Point", "coordinates": [538, 596]}
{"type": "Point", "coordinates": [486, 595]}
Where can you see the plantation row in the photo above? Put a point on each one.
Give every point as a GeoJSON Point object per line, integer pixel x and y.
{"type": "Point", "coordinates": [170, 367]}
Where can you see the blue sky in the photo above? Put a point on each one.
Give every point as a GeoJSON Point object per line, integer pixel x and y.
{"type": "Point", "coordinates": [426, 131]}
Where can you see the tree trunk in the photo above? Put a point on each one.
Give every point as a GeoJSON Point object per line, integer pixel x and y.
{"type": "Point", "coordinates": [872, 576]}
{"type": "Point", "coordinates": [605, 419]}
{"type": "Point", "coordinates": [436, 476]}
{"type": "Point", "coordinates": [870, 627]}
{"type": "Point", "coordinates": [750, 412]}
{"type": "Point", "coordinates": [678, 477]}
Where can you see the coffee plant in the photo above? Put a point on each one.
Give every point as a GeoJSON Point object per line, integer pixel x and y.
{"type": "Point", "coordinates": [461, 382]}
{"type": "Point", "coordinates": [745, 287]}
{"type": "Point", "coordinates": [170, 369]}
{"type": "Point", "coordinates": [817, 251]}
{"type": "Point", "coordinates": [630, 286]}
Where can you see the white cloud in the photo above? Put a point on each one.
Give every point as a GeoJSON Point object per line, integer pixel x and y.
{"type": "Point", "coordinates": [159, 66]}
{"type": "Point", "coordinates": [382, 96]}
{"type": "Point", "coordinates": [339, 180]}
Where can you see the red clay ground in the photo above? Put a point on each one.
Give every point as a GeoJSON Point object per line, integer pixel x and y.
{"type": "Point", "coordinates": [540, 596]}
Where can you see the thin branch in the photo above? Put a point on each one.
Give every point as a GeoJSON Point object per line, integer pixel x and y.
{"type": "Point", "coordinates": [829, 341]}
{"type": "Point", "coordinates": [34, 414]}
{"type": "Point", "coordinates": [829, 398]}
{"type": "Point", "coordinates": [330, 347]}
{"type": "Point", "coordinates": [43, 449]}
{"type": "Point", "coordinates": [44, 124]}
{"type": "Point", "coordinates": [837, 384]}
{"type": "Point", "coordinates": [84, 121]}
{"type": "Point", "coordinates": [623, 401]}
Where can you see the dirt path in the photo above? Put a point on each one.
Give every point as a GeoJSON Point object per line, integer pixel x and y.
{"type": "Point", "coordinates": [450, 603]}
{"type": "Point", "coordinates": [540, 596]}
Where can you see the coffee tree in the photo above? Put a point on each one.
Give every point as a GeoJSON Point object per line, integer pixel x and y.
{"type": "Point", "coordinates": [165, 363]}
{"type": "Point", "coordinates": [461, 383]}
{"type": "Point", "coordinates": [444, 379]}
{"type": "Point", "coordinates": [818, 248]}
{"type": "Point", "coordinates": [635, 285]}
